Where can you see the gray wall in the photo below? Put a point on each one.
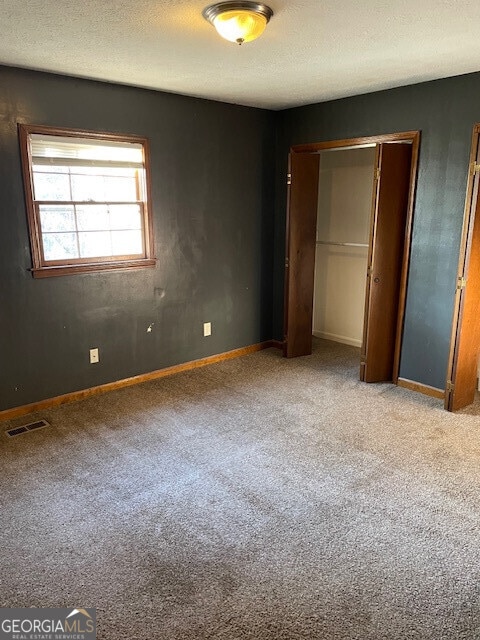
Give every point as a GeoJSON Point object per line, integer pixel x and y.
{"type": "Point", "coordinates": [212, 192]}
{"type": "Point", "coordinates": [445, 112]}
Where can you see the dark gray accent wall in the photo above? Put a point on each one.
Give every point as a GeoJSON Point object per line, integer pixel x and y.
{"type": "Point", "coordinates": [212, 192]}
{"type": "Point", "coordinates": [445, 112]}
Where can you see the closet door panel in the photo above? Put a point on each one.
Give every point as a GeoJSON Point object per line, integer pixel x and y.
{"type": "Point", "coordinates": [385, 261]}
{"type": "Point", "coordinates": [300, 253]}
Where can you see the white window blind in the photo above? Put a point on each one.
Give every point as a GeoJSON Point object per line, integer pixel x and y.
{"type": "Point", "coordinates": [63, 151]}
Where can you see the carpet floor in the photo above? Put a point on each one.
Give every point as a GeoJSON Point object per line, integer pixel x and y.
{"type": "Point", "coordinates": [259, 498]}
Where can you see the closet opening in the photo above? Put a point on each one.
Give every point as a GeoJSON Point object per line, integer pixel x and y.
{"type": "Point", "coordinates": [349, 220]}
{"type": "Point", "coordinates": [342, 240]}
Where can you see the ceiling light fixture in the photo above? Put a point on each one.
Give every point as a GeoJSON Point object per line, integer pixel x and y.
{"type": "Point", "coordinates": [238, 21]}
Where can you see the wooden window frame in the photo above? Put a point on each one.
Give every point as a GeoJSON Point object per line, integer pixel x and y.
{"type": "Point", "coordinates": [44, 269]}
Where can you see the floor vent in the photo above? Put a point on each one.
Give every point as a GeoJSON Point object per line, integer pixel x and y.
{"type": "Point", "coordinates": [32, 426]}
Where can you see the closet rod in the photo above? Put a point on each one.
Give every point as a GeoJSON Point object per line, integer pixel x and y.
{"type": "Point", "coordinates": [343, 244]}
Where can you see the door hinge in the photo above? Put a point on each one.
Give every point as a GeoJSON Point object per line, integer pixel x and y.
{"type": "Point", "coordinates": [289, 178]}
{"type": "Point", "coordinates": [474, 168]}
{"type": "Point", "coordinates": [369, 271]}
{"type": "Point", "coordinates": [461, 283]}
{"type": "Point", "coordinates": [287, 263]}
{"type": "Point", "coordinates": [450, 386]}
{"type": "Point", "coordinates": [377, 173]}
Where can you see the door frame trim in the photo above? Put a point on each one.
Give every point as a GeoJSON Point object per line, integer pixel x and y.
{"type": "Point", "coordinates": [462, 270]}
{"type": "Point", "coordinates": [286, 275]}
{"type": "Point", "coordinates": [412, 137]}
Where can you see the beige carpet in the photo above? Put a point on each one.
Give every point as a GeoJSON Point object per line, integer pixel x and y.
{"type": "Point", "coordinates": [254, 499]}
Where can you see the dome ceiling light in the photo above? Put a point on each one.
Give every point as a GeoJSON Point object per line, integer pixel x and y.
{"type": "Point", "coordinates": [238, 21]}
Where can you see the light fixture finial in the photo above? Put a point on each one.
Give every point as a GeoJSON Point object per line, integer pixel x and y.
{"type": "Point", "coordinates": [238, 21]}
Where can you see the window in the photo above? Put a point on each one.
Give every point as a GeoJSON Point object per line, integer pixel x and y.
{"type": "Point", "coordinates": [87, 204]}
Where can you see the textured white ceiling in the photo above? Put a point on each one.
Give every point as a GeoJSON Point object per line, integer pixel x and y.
{"type": "Point", "coordinates": [312, 50]}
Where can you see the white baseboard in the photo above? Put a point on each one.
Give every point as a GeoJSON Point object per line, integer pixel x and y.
{"type": "Point", "coordinates": [343, 339]}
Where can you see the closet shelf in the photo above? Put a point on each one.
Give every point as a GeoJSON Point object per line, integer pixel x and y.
{"type": "Point", "coordinates": [343, 244]}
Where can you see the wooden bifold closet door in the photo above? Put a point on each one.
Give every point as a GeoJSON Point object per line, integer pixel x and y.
{"type": "Point", "coordinates": [387, 240]}
{"type": "Point", "coordinates": [300, 253]}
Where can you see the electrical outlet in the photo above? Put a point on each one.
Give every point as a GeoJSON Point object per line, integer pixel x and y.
{"type": "Point", "coordinates": [94, 357]}
{"type": "Point", "coordinates": [207, 329]}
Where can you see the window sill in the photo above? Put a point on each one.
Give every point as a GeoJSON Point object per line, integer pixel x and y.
{"type": "Point", "coordinates": [92, 267]}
